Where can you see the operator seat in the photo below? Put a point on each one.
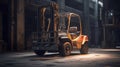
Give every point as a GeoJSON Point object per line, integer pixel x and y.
{"type": "Point", "coordinates": [73, 32]}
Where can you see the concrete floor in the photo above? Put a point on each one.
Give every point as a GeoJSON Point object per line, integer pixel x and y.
{"type": "Point", "coordinates": [95, 58]}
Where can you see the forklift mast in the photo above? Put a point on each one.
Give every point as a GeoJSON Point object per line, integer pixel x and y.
{"type": "Point", "coordinates": [47, 30]}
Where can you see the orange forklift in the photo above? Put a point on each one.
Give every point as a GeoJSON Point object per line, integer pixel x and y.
{"type": "Point", "coordinates": [58, 32]}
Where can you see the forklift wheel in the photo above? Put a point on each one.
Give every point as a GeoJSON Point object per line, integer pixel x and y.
{"type": "Point", "coordinates": [65, 49]}
{"type": "Point", "coordinates": [39, 52]}
{"type": "Point", "coordinates": [84, 49]}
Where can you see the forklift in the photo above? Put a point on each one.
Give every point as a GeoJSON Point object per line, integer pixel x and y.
{"type": "Point", "coordinates": [58, 32]}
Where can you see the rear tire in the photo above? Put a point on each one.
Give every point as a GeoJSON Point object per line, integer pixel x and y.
{"type": "Point", "coordinates": [40, 52]}
{"type": "Point", "coordinates": [84, 49]}
{"type": "Point", "coordinates": [65, 49]}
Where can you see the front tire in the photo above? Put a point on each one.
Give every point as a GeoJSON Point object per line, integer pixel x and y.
{"type": "Point", "coordinates": [65, 49]}
{"type": "Point", "coordinates": [84, 49]}
{"type": "Point", "coordinates": [40, 52]}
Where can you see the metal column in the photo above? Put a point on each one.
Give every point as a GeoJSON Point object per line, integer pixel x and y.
{"type": "Point", "coordinates": [96, 24]}
{"type": "Point", "coordinates": [86, 23]}
{"type": "Point", "coordinates": [20, 25]}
